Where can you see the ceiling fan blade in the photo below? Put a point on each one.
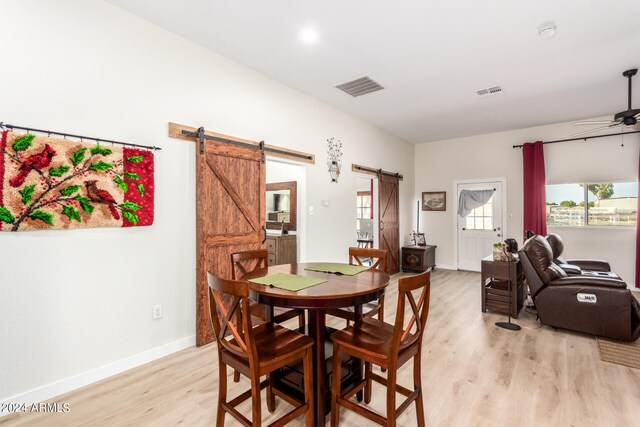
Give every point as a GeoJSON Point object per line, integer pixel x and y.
{"type": "Point", "coordinates": [602, 122]}
{"type": "Point", "coordinates": [596, 129]}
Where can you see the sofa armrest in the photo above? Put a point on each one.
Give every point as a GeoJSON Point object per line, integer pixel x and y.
{"type": "Point", "coordinates": [571, 269]}
{"type": "Point", "coordinates": [590, 264]}
{"type": "Point", "coordinates": [582, 281]}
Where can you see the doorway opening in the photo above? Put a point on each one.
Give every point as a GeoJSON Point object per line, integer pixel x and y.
{"type": "Point", "coordinates": [279, 209]}
{"type": "Point", "coordinates": [366, 235]}
{"type": "Point", "coordinates": [480, 222]}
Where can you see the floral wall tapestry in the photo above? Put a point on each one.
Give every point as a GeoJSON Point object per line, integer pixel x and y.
{"type": "Point", "coordinates": [53, 183]}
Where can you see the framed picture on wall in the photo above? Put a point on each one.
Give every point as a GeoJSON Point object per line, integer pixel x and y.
{"type": "Point", "coordinates": [434, 201]}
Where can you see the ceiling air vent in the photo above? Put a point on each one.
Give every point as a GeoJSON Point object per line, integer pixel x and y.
{"type": "Point", "coordinates": [360, 86]}
{"type": "Point", "coordinates": [496, 90]}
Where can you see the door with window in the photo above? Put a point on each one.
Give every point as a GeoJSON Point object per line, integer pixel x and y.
{"type": "Point", "coordinates": [480, 227]}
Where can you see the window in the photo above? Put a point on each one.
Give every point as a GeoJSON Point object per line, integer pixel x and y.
{"type": "Point", "coordinates": [481, 218]}
{"type": "Point", "coordinates": [592, 204]}
{"type": "Point", "coordinates": [363, 207]}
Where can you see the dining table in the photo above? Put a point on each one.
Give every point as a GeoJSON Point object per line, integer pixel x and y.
{"type": "Point", "coordinates": [338, 291]}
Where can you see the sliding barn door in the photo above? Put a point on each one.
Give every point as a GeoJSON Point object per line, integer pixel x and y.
{"type": "Point", "coordinates": [389, 235]}
{"type": "Point", "coordinates": [230, 210]}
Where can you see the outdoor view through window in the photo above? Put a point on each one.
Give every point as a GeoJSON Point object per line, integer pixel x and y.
{"type": "Point", "coordinates": [600, 204]}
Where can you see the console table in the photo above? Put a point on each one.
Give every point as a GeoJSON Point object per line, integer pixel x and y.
{"type": "Point", "coordinates": [418, 258]}
{"type": "Point", "coordinates": [496, 279]}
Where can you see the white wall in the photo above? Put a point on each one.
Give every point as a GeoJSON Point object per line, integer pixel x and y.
{"type": "Point", "coordinates": [439, 164]}
{"type": "Point", "coordinates": [73, 301]}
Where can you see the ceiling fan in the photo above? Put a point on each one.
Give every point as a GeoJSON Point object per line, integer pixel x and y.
{"type": "Point", "coordinates": [623, 118]}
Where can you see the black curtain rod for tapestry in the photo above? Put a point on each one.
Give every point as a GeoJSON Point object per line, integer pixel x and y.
{"type": "Point", "coordinates": [81, 137]}
{"type": "Point", "coordinates": [584, 138]}
{"type": "Point", "coordinates": [200, 134]}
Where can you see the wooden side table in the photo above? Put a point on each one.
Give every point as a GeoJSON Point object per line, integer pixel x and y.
{"type": "Point", "coordinates": [418, 258]}
{"type": "Point", "coordinates": [496, 279]}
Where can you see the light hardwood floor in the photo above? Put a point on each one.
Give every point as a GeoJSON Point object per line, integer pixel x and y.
{"type": "Point", "coordinates": [474, 374]}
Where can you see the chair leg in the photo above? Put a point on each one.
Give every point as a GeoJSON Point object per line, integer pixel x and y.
{"type": "Point", "coordinates": [301, 320]}
{"type": "Point", "coordinates": [367, 386]}
{"type": "Point", "coordinates": [222, 393]}
{"type": "Point", "coordinates": [381, 317]}
{"type": "Point", "coordinates": [271, 398]}
{"type": "Point", "coordinates": [417, 383]}
{"type": "Point", "coordinates": [256, 404]}
{"type": "Point", "coordinates": [236, 376]}
{"type": "Point", "coordinates": [308, 386]}
{"type": "Point", "coordinates": [335, 386]}
{"type": "Point", "coordinates": [391, 397]}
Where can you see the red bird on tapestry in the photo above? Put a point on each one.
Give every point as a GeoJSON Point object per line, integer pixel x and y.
{"type": "Point", "coordinates": [102, 196]}
{"type": "Point", "coordinates": [37, 161]}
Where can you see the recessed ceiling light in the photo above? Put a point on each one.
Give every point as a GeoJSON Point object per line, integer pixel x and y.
{"type": "Point", "coordinates": [309, 35]}
{"type": "Point", "coordinates": [548, 29]}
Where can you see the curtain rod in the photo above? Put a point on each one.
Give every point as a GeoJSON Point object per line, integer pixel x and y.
{"type": "Point", "coordinates": [584, 138]}
{"type": "Point", "coordinates": [81, 137]}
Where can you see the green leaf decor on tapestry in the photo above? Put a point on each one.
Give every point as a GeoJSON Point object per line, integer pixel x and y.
{"type": "Point", "coordinates": [27, 193]}
{"type": "Point", "coordinates": [23, 143]}
{"type": "Point", "coordinates": [42, 216]}
{"type": "Point", "coordinates": [6, 215]}
{"type": "Point", "coordinates": [100, 150]}
{"type": "Point", "coordinates": [71, 212]}
{"type": "Point", "coordinates": [69, 190]}
{"type": "Point", "coordinates": [78, 156]}
{"type": "Point", "coordinates": [59, 171]}
{"type": "Point", "coordinates": [100, 166]}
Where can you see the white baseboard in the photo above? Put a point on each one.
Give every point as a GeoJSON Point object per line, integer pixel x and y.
{"type": "Point", "coordinates": [66, 385]}
{"type": "Point", "coordinates": [446, 267]}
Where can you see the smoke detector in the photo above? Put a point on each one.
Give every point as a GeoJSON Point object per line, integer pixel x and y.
{"type": "Point", "coordinates": [547, 30]}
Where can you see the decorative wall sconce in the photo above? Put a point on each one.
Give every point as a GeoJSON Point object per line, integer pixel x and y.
{"type": "Point", "coordinates": [334, 158]}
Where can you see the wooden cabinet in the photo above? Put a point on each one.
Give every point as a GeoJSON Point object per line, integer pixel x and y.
{"type": "Point", "coordinates": [282, 249]}
{"type": "Point", "coordinates": [499, 280]}
{"type": "Point", "coordinates": [418, 258]}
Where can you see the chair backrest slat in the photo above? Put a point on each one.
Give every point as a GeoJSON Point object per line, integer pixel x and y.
{"type": "Point", "coordinates": [231, 316]}
{"type": "Point", "coordinates": [245, 262]}
{"type": "Point", "coordinates": [377, 257]}
{"type": "Point", "coordinates": [403, 336]}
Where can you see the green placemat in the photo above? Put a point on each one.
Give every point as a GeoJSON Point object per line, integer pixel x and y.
{"type": "Point", "coordinates": [289, 282]}
{"type": "Point", "coordinates": [336, 267]}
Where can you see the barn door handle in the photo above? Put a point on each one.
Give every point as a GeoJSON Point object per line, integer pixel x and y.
{"type": "Point", "coordinates": [264, 230]}
{"type": "Point", "coordinates": [381, 225]}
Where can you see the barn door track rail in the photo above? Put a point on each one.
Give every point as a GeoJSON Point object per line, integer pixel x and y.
{"type": "Point", "coordinates": [200, 135]}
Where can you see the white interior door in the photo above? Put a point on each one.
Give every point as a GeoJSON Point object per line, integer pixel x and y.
{"type": "Point", "coordinates": [483, 227]}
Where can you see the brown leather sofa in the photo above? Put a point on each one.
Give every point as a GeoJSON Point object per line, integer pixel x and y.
{"type": "Point", "coordinates": [597, 303]}
{"type": "Point", "coordinates": [573, 266]}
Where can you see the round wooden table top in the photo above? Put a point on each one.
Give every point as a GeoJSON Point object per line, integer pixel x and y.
{"type": "Point", "coordinates": [338, 290]}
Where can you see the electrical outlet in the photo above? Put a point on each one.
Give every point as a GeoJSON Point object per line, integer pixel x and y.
{"type": "Point", "coordinates": [156, 312]}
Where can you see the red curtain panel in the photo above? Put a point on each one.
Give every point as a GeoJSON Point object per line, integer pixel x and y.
{"type": "Point", "coordinates": [535, 202]}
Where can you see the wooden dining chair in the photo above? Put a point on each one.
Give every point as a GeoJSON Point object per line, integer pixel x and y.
{"type": "Point", "coordinates": [255, 351]}
{"type": "Point", "coordinates": [390, 347]}
{"type": "Point", "coordinates": [243, 263]}
{"type": "Point", "coordinates": [378, 261]}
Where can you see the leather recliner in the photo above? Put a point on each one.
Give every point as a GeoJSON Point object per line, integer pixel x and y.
{"type": "Point", "coordinates": [593, 304]}
{"type": "Point", "coordinates": [573, 266]}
